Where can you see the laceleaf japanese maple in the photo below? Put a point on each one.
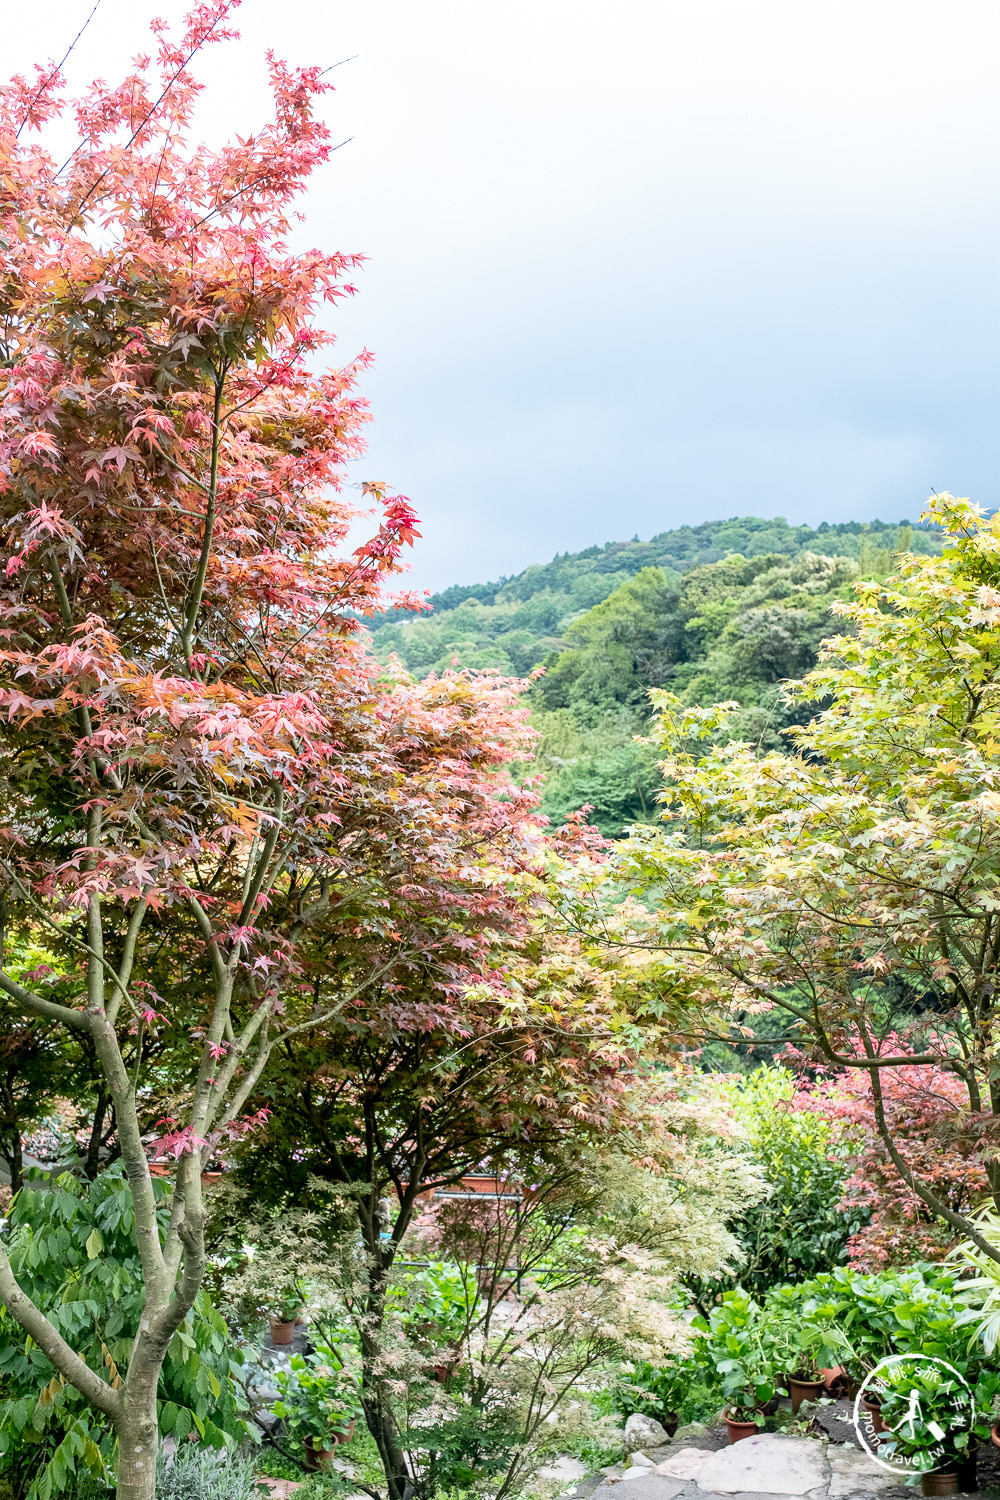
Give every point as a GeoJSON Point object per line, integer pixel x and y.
{"type": "Point", "coordinates": [490, 1035]}
{"type": "Point", "coordinates": [853, 886]}
{"type": "Point", "coordinates": [185, 699]}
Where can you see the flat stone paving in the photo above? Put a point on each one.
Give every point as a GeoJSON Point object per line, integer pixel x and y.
{"type": "Point", "coordinates": [770, 1466]}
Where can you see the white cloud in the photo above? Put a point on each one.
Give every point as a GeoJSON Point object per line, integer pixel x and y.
{"type": "Point", "coordinates": [643, 262]}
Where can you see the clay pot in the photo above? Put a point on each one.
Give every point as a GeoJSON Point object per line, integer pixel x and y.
{"type": "Point", "coordinates": [874, 1408]}
{"type": "Point", "coordinates": [804, 1390]}
{"type": "Point", "coordinates": [282, 1332]}
{"type": "Point", "coordinates": [739, 1430]}
{"type": "Point", "coordinates": [941, 1483]}
{"type": "Point", "coordinates": [317, 1457]}
{"type": "Point", "coordinates": [995, 1435]}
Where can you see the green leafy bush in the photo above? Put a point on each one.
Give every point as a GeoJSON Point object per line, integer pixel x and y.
{"type": "Point", "coordinates": [928, 1413]}
{"type": "Point", "coordinates": [686, 1390]}
{"type": "Point", "coordinates": [797, 1231]}
{"type": "Point", "coordinates": [438, 1302]}
{"type": "Point", "coordinates": [742, 1346]}
{"type": "Point", "coordinates": [72, 1248]}
{"type": "Point", "coordinates": [319, 1399]}
{"type": "Point", "coordinates": [890, 1312]}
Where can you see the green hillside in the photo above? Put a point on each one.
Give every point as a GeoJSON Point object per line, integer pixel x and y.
{"type": "Point", "coordinates": [727, 609]}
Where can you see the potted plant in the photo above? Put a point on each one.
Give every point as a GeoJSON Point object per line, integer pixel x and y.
{"type": "Point", "coordinates": [738, 1342]}
{"type": "Point", "coordinates": [285, 1315]}
{"type": "Point", "coordinates": [811, 1345]}
{"type": "Point", "coordinates": [318, 1404]}
{"type": "Point", "coordinates": [933, 1422]}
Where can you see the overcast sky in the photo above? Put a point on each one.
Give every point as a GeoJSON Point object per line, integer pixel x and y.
{"type": "Point", "coordinates": [644, 262]}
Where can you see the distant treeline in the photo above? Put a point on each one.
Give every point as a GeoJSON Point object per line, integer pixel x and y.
{"type": "Point", "coordinates": [727, 609]}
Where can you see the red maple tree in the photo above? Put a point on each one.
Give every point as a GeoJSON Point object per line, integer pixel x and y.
{"type": "Point", "coordinates": [940, 1140]}
{"type": "Point", "coordinates": [186, 701]}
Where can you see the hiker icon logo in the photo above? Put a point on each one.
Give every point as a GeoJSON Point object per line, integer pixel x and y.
{"type": "Point", "coordinates": [914, 1414]}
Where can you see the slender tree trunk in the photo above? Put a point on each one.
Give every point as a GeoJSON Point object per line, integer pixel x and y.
{"type": "Point", "coordinates": [376, 1399]}
{"type": "Point", "coordinates": [10, 1150]}
{"type": "Point", "coordinates": [138, 1439]}
{"type": "Point", "coordinates": [93, 1159]}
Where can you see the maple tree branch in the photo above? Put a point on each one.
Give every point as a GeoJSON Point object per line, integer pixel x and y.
{"type": "Point", "coordinates": [270, 842]}
{"type": "Point", "coordinates": [184, 1237]}
{"type": "Point", "coordinates": [926, 1196]}
{"type": "Point", "coordinates": [336, 1010]}
{"type": "Point", "coordinates": [133, 1152]}
{"type": "Point", "coordinates": [54, 1346]}
{"type": "Point", "coordinates": [236, 1053]}
{"type": "Point", "coordinates": [209, 934]}
{"type": "Point", "coordinates": [198, 587]}
{"type": "Point", "coordinates": [77, 1019]}
{"type": "Point", "coordinates": [128, 959]}
{"type": "Point", "coordinates": [264, 1049]}
{"type": "Point", "coordinates": [143, 122]}
{"type": "Point", "coordinates": [58, 69]}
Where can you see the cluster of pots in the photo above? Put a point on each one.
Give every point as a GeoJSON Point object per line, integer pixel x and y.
{"type": "Point", "coordinates": [954, 1482]}
{"type": "Point", "coordinates": [317, 1457]}
{"type": "Point", "coordinates": [799, 1391]}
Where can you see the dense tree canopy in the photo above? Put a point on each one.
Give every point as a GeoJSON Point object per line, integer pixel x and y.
{"type": "Point", "coordinates": [723, 610]}
{"type": "Point", "coordinates": [852, 885]}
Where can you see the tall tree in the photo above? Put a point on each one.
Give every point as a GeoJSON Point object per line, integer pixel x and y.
{"type": "Point", "coordinates": [490, 1033]}
{"type": "Point", "coordinates": [184, 697]}
{"type": "Point", "coordinates": [854, 885]}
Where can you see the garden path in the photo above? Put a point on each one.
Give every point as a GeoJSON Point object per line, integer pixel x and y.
{"type": "Point", "coordinates": [770, 1466]}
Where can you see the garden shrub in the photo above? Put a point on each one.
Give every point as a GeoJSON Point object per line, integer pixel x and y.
{"type": "Point", "coordinates": [685, 1390]}
{"type": "Point", "coordinates": [73, 1249]}
{"type": "Point", "coordinates": [800, 1228]}
{"type": "Point", "coordinates": [196, 1472]}
{"type": "Point", "coordinates": [938, 1138]}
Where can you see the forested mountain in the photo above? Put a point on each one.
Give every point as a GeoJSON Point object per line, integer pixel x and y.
{"type": "Point", "coordinates": [727, 609]}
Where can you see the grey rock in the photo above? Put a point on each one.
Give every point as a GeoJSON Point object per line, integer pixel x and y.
{"type": "Point", "coordinates": [686, 1463]}
{"type": "Point", "coordinates": [565, 1468]}
{"type": "Point", "coordinates": [690, 1430]}
{"type": "Point", "coordinates": [696, 1494]}
{"type": "Point", "coordinates": [854, 1473]}
{"type": "Point", "coordinates": [643, 1432]}
{"type": "Point", "coordinates": [586, 1487]}
{"type": "Point", "coordinates": [645, 1487]}
{"type": "Point", "coordinates": [768, 1464]}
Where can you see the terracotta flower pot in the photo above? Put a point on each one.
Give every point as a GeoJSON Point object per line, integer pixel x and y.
{"type": "Point", "coordinates": [803, 1390]}
{"type": "Point", "coordinates": [282, 1330]}
{"type": "Point", "coordinates": [995, 1435]}
{"type": "Point", "coordinates": [874, 1409]}
{"type": "Point", "coordinates": [739, 1430]}
{"type": "Point", "coordinates": [941, 1483]}
{"type": "Point", "coordinates": [318, 1456]}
